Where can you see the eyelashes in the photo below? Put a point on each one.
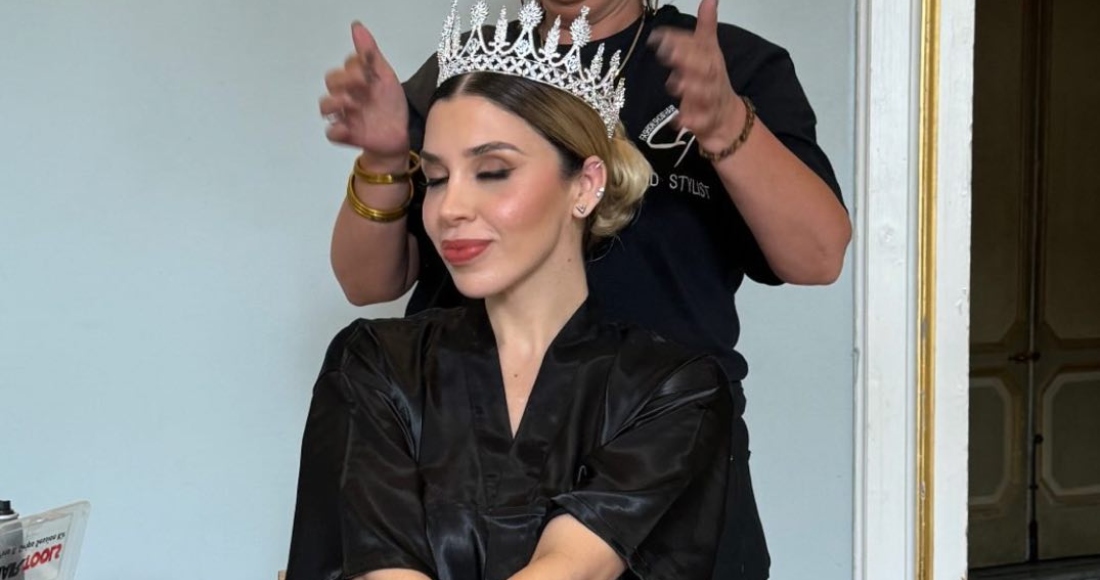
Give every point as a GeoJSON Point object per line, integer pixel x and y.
{"type": "Point", "coordinates": [500, 175]}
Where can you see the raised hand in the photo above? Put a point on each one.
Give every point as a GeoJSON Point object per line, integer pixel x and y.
{"type": "Point", "coordinates": [709, 108]}
{"type": "Point", "coordinates": [365, 104]}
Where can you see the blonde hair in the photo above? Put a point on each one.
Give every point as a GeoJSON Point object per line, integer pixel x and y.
{"type": "Point", "coordinates": [577, 132]}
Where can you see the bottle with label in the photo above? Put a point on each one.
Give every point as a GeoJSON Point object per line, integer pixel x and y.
{"type": "Point", "coordinates": [11, 538]}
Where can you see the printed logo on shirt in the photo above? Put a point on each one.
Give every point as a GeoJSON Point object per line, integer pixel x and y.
{"type": "Point", "coordinates": [654, 136]}
{"type": "Point", "coordinates": [657, 137]}
{"type": "Point", "coordinates": [689, 185]}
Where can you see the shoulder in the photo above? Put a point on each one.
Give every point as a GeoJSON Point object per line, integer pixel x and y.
{"type": "Point", "coordinates": [386, 346]}
{"type": "Point", "coordinates": [651, 378]}
{"type": "Point", "coordinates": [649, 366]}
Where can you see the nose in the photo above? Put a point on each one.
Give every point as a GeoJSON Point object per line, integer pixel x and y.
{"type": "Point", "coordinates": [455, 201]}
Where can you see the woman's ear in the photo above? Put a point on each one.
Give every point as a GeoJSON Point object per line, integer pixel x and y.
{"type": "Point", "coordinates": [591, 185]}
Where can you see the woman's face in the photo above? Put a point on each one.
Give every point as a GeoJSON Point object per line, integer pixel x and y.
{"type": "Point", "coordinates": [497, 208]}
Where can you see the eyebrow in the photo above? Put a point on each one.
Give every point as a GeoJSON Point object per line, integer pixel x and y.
{"type": "Point", "coordinates": [476, 151]}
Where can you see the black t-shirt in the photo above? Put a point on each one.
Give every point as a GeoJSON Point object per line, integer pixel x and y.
{"type": "Point", "coordinates": [676, 267]}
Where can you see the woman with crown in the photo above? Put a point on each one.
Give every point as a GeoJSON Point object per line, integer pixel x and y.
{"type": "Point", "coordinates": [739, 187]}
{"type": "Point", "coordinates": [518, 435]}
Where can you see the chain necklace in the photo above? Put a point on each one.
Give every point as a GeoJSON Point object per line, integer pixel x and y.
{"type": "Point", "coordinates": [630, 52]}
{"type": "Point", "coordinates": [633, 44]}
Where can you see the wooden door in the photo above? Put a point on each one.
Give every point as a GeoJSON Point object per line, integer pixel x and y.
{"type": "Point", "coordinates": [1000, 305]}
{"type": "Point", "coordinates": [1067, 372]}
{"type": "Point", "coordinates": [1035, 305]}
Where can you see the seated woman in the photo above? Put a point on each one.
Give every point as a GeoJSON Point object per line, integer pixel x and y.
{"type": "Point", "coordinates": [517, 436]}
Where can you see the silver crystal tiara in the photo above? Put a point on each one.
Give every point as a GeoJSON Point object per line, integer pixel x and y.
{"type": "Point", "coordinates": [522, 57]}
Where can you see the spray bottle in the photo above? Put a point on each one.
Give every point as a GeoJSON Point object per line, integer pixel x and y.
{"type": "Point", "coordinates": [11, 538]}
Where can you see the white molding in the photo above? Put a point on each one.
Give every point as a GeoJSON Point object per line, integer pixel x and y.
{"type": "Point", "coordinates": [885, 267]}
{"type": "Point", "coordinates": [887, 99]}
{"type": "Point", "coordinates": [953, 180]}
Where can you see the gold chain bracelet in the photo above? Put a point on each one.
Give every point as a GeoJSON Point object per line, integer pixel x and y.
{"type": "Point", "coordinates": [750, 120]}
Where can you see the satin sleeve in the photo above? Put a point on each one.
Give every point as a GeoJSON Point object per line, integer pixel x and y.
{"type": "Point", "coordinates": [656, 491]}
{"type": "Point", "coordinates": [358, 507]}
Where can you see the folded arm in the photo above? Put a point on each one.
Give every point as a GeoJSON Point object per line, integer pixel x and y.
{"type": "Point", "coordinates": [569, 551]}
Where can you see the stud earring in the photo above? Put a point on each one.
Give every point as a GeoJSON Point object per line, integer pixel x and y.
{"type": "Point", "coordinates": [581, 208]}
{"type": "Point", "coordinates": [599, 193]}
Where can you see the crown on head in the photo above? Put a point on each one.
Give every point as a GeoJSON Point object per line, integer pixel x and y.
{"type": "Point", "coordinates": [523, 57]}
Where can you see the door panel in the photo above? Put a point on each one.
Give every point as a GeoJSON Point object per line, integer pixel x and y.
{"type": "Point", "coordinates": [998, 468]}
{"type": "Point", "coordinates": [999, 311]}
{"type": "Point", "coordinates": [1068, 503]}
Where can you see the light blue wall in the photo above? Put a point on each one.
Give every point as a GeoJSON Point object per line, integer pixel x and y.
{"type": "Point", "coordinates": [799, 340]}
{"type": "Point", "coordinates": [166, 197]}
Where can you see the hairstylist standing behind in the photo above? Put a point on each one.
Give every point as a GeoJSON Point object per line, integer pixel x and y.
{"type": "Point", "coordinates": [739, 187]}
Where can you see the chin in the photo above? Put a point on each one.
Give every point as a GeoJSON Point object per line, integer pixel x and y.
{"type": "Point", "coordinates": [476, 287]}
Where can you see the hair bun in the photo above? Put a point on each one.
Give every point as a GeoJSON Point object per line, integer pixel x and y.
{"type": "Point", "coordinates": [628, 175]}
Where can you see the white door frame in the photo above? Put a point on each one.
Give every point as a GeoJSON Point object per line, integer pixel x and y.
{"type": "Point", "coordinates": [912, 269]}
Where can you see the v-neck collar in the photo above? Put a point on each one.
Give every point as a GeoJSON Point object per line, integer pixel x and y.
{"type": "Point", "coordinates": [502, 455]}
{"type": "Point", "coordinates": [579, 327]}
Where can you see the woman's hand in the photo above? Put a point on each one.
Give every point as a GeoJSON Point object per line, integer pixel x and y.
{"type": "Point", "coordinates": [365, 104]}
{"type": "Point", "coordinates": [708, 106]}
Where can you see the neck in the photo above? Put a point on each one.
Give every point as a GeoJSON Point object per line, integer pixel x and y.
{"type": "Point", "coordinates": [606, 21]}
{"type": "Point", "coordinates": [527, 317]}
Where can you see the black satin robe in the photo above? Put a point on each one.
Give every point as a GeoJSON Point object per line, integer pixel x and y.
{"type": "Point", "coordinates": [408, 460]}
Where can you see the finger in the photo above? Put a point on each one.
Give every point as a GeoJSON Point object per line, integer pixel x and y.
{"type": "Point", "coordinates": [355, 75]}
{"type": "Point", "coordinates": [700, 63]}
{"type": "Point", "coordinates": [678, 122]}
{"type": "Point", "coordinates": [354, 61]}
{"type": "Point", "coordinates": [347, 81]}
{"type": "Point", "coordinates": [332, 114]}
{"type": "Point", "coordinates": [696, 94]}
{"type": "Point", "coordinates": [706, 25]}
{"type": "Point", "coordinates": [370, 66]}
{"type": "Point", "coordinates": [374, 62]}
{"type": "Point", "coordinates": [338, 133]}
{"type": "Point", "coordinates": [349, 105]}
{"type": "Point", "coordinates": [338, 104]}
{"type": "Point", "coordinates": [362, 39]}
{"type": "Point", "coordinates": [655, 37]}
{"type": "Point", "coordinates": [336, 80]}
{"type": "Point", "coordinates": [684, 122]}
{"type": "Point", "coordinates": [692, 117]}
{"type": "Point", "coordinates": [665, 51]}
{"type": "Point", "coordinates": [672, 49]}
{"type": "Point", "coordinates": [665, 35]}
{"type": "Point", "coordinates": [675, 84]}
{"type": "Point", "coordinates": [329, 105]}
{"type": "Point", "coordinates": [344, 105]}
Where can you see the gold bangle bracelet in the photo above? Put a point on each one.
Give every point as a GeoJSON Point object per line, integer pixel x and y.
{"type": "Point", "coordinates": [377, 215]}
{"type": "Point", "coordinates": [387, 178]}
{"type": "Point", "coordinates": [750, 120]}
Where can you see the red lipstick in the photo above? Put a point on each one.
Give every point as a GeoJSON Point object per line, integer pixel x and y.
{"type": "Point", "coordinates": [459, 252]}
